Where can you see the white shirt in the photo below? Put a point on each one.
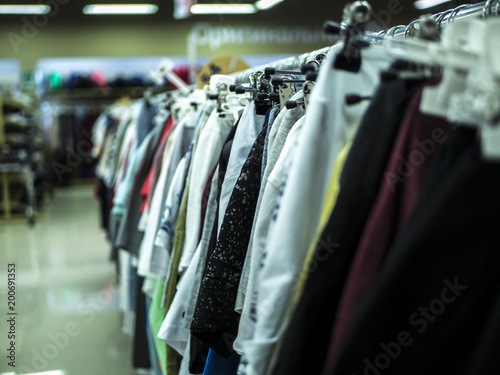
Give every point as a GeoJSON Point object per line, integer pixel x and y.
{"type": "Point", "coordinates": [249, 127]}
{"type": "Point", "coordinates": [205, 157]}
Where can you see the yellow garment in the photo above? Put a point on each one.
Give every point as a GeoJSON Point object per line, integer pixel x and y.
{"type": "Point", "coordinates": [328, 205]}
{"type": "Point", "coordinates": [172, 358]}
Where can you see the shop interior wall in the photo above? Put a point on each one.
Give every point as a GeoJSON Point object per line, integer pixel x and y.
{"type": "Point", "coordinates": [68, 33]}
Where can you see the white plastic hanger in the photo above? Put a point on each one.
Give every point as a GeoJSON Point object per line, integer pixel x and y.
{"type": "Point", "coordinates": [490, 65]}
{"type": "Point", "coordinates": [416, 50]}
{"type": "Point", "coordinates": [215, 79]}
{"type": "Point", "coordinates": [165, 69]}
{"type": "Point", "coordinates": [469, 92]}
{"type": "Point", "coordinates": [230, 104]}
{"type": "Point", "coordinates": [461, 49]}
{"type": "Point", "coordinates": [458, 52]}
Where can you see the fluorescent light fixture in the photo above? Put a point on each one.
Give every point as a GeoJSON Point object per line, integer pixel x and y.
{"type": "Point", "coordinates": [266, 4]}
{"type": "Point", "coordinates": [56, 372]}
{"type": "Point", "coordinates": [24, 9]}
{"type": "Point", "coordinates": [424, 4]}
{"type": "Point", "coordinates": [223, 9]}
{"type": "Point", "coordinates": [120, 9]}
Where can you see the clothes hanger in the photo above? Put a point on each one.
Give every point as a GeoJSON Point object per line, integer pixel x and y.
{"type": "Point", "coordinates": [307, 89]}
{"type": "Point", "coordinates": [261, 84]}
{"type": "Point", "coordinates": [165, 70]}
{"type": "Point", "coordinates": [490, 131]}
{"type": "Point", "coordinates": [461, 49]}
{"type": "Point", "coordinates": [478, 104]}
{"type": "Point", "coordinates": [286, 87]}
{"type": "Point", "coordinates": [218, 89]}
{"type": "Point", "coordinates": [310, 69]}
{"type": "Point", "coordinates": [352, 30]}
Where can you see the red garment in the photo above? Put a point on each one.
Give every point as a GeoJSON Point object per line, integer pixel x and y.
{"type": "Point", "coordinates": [157, 162]}
{"type": "Point", "coordinates": [418, 139]}
{"type": "Point", "coordinates": [145, 189]}
{"type": "Point", "coordinates": [153, 174]}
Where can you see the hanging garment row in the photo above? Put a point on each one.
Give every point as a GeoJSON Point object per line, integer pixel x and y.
{"type": "Point", "coordinates": [340, 219]}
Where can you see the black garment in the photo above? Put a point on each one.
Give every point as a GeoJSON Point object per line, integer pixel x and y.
{"type": "Point", "coordinates": [129, 237]}
{"type": "Point", "coordinates": [485, 359]}
{"type": "Point", "coordinates": [102, 194]}
{"type": "Point", "coordinates": [305, 343]}
{"type": "Point", "coordinates": [113, 228]}
{"type": "Point", "coordinates": [440, 279]}
{"type": "Point", "coordinates": [223, 160]}
{"type": "Point", "coordinates": [198, 356]}
{"type": "Point", "coordinates": [140, 355]}
{"type": "Point", "coordinates": [198, 350]}
{"type": "Point", "coordinates": [215, 322]}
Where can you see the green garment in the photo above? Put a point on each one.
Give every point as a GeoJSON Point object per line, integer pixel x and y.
{"type": "Point", "coordinates": [156, 316]}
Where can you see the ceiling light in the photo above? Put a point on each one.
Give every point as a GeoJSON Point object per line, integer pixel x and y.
{"type": "Point", "coordinates": [424, 4]}
{"type": "Point", "coordinates": [266, 4]}
{"type": "Point", "coordinates": [56, 372]}
{"type": "Point", "coordinates": [24, 9]}
{"type": "Point", "coordinates": [120, 9]}
{"type": "Point", "coordinates": [223, 9]}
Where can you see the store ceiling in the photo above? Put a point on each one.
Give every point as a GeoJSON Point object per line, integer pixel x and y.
{"type": "Point", "coordinates": [388, 12]}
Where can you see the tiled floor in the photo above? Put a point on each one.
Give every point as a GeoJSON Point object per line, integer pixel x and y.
{"type": "Point", "coordinates": [66, 300]}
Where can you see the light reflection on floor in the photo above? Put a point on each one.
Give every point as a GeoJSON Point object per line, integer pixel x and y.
{"type": "Point", "coordinates": [67, 321]}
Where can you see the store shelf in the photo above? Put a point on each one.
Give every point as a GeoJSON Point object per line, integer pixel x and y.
{"type": "Point", "coordinates": [15, 166]}
{"type": "Point", "coordinates": [93, 94]}
{"type": "Point", "coordinates": [98, 94]}
{"type": "Point", "coordinates": [13, 103]}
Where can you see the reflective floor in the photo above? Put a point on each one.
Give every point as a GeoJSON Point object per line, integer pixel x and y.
{"type": "Point", "coordinates": [66, 309]}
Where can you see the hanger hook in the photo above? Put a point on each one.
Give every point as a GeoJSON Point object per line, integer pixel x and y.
{"type": "Point", "coordinates": [427, 28]}
{"type": "Point", "coordinates": [382, 33]}
{"type": "Point", "coordinates": [439, 18]}
{"type": "Point", "coordinates": [455, 12]}
{"type": "Point", "coordinates": [395, 29]}
{"type": "Point", "coordinates": [488, 8]}
{"type": "Point", "coordinates": [410, 30]}
{"type": "Point", "coordinates": [360, 12]}
{"type": "Point", "coordinates": [320, 58]}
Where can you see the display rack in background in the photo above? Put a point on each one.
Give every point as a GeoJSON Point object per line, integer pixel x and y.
{"type": "Point", "coordinates": [21, 156]}
{"type": "Point", "coordinates": [69, 116]}
{"type": "Point", "coordinates": [80, 85]}
{"type": "Point", "coordinates": [72, 100]}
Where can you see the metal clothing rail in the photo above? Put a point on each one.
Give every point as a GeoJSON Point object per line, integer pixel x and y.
{"type": "Point", "coordinates": [484, 9]}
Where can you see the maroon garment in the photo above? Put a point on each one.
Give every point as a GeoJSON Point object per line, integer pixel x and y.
{"type": "Point", "coordinates": [418, 139]}
{"type": "Point", "coordinates": [204, 200]}
{"type": "Point", "coordinates": [154, 173]}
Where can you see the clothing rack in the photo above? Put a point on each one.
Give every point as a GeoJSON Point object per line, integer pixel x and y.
{"type": "Point", "coordinates": [484, 9]}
